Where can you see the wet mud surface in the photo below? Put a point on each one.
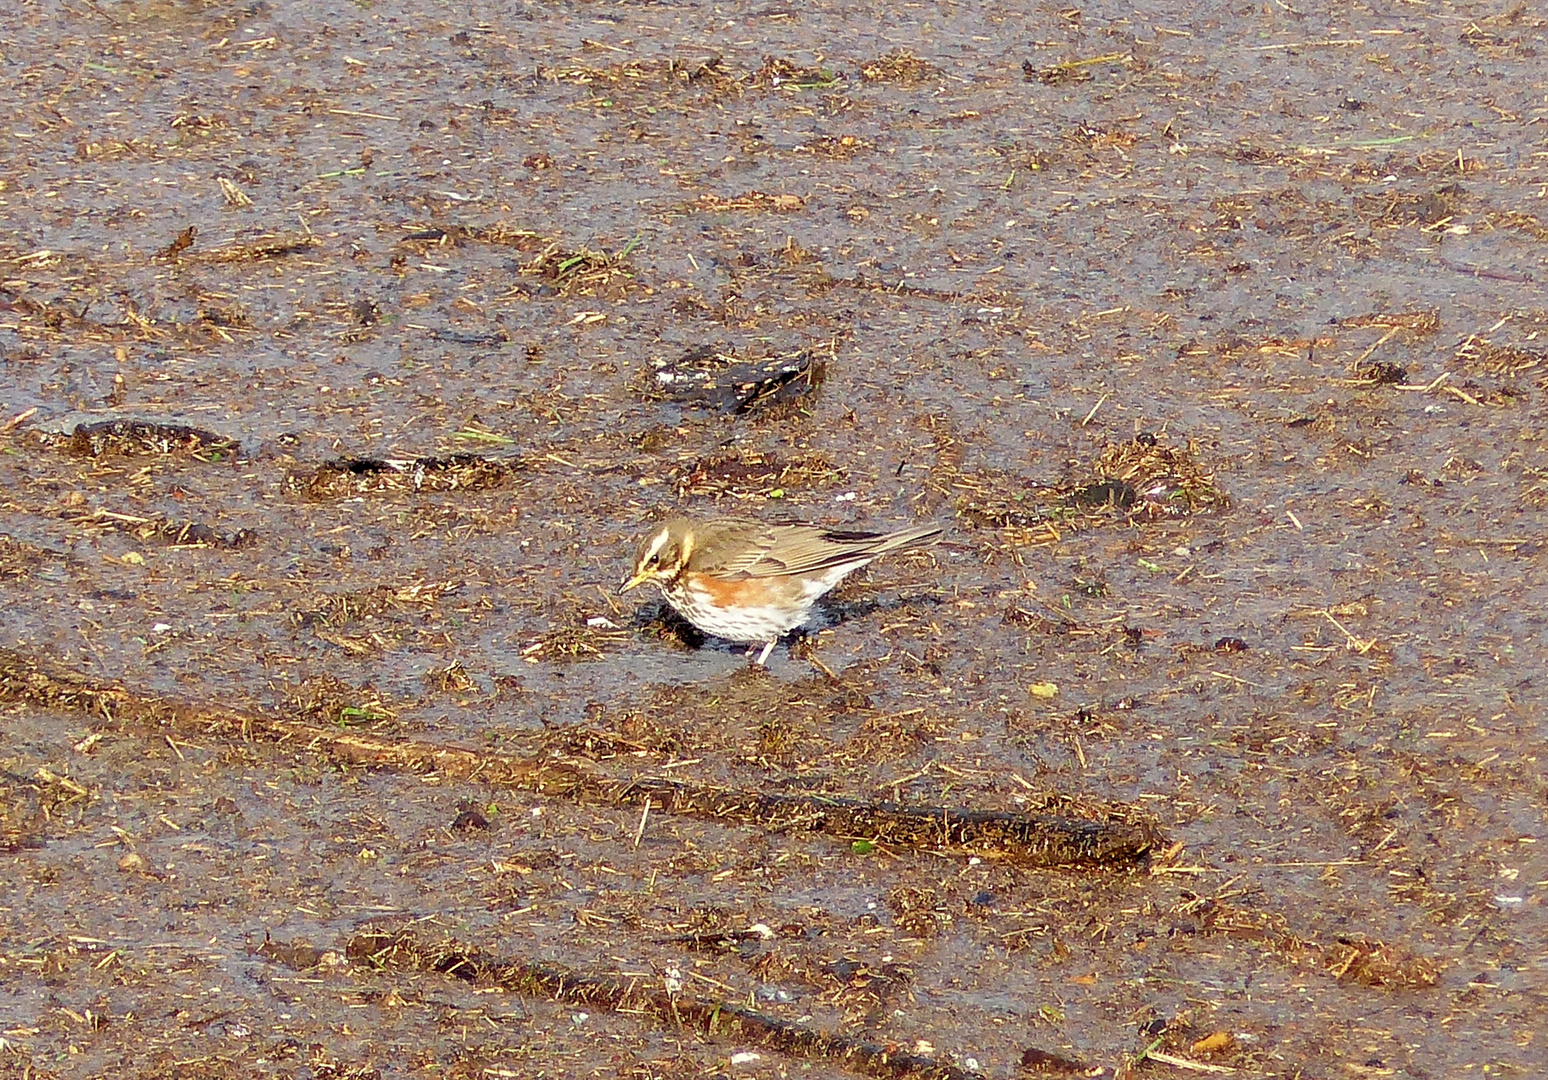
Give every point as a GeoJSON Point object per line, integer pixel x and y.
{"type": "Point", "coordinates": [347, 349]}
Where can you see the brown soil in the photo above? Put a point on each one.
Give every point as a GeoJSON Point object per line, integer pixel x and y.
{"type": "Point", "coordinates": [347, 350]}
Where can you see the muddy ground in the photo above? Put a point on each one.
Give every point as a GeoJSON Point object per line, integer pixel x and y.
{"type": "Point", "coordinates": [347, 348]}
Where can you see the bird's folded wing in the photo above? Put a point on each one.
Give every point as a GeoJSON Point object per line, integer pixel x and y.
{"type": "Point", "coordinates": [801, 549]}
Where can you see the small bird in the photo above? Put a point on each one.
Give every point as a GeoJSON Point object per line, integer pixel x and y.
{"type": "Point", "coordinates": [746, 580]}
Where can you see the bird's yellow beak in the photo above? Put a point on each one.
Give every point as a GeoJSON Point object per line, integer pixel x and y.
{"type": "Point", "coordinates": [636, 581]}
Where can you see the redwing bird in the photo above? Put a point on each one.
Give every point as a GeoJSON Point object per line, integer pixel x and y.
{"type": "Point", "coordinates": [746, 580]}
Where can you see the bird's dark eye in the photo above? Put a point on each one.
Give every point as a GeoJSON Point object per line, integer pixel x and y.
{"type": "Point", "coordinates": [652, 560]}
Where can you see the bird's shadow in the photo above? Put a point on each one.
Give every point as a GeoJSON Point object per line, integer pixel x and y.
{"type": "Point", "coordinates": [659, 619]}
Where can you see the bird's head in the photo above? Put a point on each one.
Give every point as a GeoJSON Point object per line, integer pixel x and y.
{"type": "Point", "coordinates": [662, 555]}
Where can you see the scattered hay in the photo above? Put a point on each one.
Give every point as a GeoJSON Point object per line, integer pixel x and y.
{"type": "Point", "coordinates": [1356, 960]}
{"type": "Point", "coordinates": [994, 499]}
{"type": "Point", "coordinates": [217, 318]}
{"type": "Point", "coordinates": [340, 609]}
{"type": "Point", "coordinates": [1401, 209]}
{"type": "Point", "coordinates": [1413, 324]}
{"type": "Point", "coordinates": [163, 530]}
{"type": "Point", "coordinates": [180, 243]}
{"type": "Point", "coordinates": [451, 679]}
{"type": "Point", "coordinates": [567, 644]}
{"type": "Point", "coordinates": [744, 474]}
{"type": "Point", "coordinates": [1070, 71]}
{"type": "Point", "coordinates": [24, 679]}
{"type": "Point", "coordinates": [460, 337]}
{"type": "Point", "coordinates": [1138, 480]}
{"type": "Point", "coordinates": [1247, 153]}
{"type": "Point", "coordinates": [296, 955]}
{"type": "Point", "coordinates": [1381, 373]}
{"type": "Point", "coordinates": [1496, 45]}
{"type": "Point", "coordinates": [1498, 371]}
{"type": "Point", "coordinates": [134, 438]}
{"type": "Point", "coordinates": [1520, 221]}
{"type": "Point", "coordinates": [585, 272]}
{"type": "Point", "coordinates": [1478, 356]}
{"type": "Point", "coordinates": [645, 74]}
{"type": "Point", "coordinates": [1376, 963]}
{"type": "Point", "coordinates": [900, 66]}
{"type": "Point", "coordinates": [752, 202]}
{"type": "Point", "coordinates": [919, 912]}
{"type": "Point", "coordinates": [1097, 138]}
{"type": "Point", "coordinates": [1165, 481]}
{"type": "Point", "coordinates": [835, 147]}
{"type": "Point", "coordinates": [779, 73]}
{"type": "Point", "coordinates": [346, 477]}
{"type": "Point", "coordinates": [275, 246]}
{"type": "Point", "coordinates": [498, 234]}
{"type": "Point", "coordinates": [324, 1066]}
{"type": "Point", "coordinates": [1233, 349]}
{"type": "Point", "coordinates": [860, 989]}
{"type": "Point", "coordinates": [25, 809]}
{"type": "Point", "coordinates": [331, 701]}
{"type": "Point", "coordinates": [19, 559]}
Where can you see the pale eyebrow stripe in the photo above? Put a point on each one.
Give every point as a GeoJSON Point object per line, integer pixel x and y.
{"type": "Point", "coordinates": [657, 544]}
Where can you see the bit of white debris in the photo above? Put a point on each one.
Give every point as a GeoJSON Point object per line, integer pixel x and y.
{"type": "Point", "coordinates": [745, 1057]}
{"type": "Point", "coordinates": [924, 1047]}
{"type": "Point", "coordinates": [161, 628]}
{"type": "Point", "coordinates": [537, 811]}
{"type": "Point", "coordinates": [580, 1018]}
{"type": "Point", "coordinates": [761, 929]}
{"type": "Point", "coordinates": [602, 621]}
{"type": "Point", "coordinates": [848, 496]}
{"type": "Point", "coordinates": [970, 1064]}
{"type": "Point", "coordinates": [672, 979]}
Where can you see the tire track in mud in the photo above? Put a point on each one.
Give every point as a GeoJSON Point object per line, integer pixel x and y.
{"type": "Point", "coordinates": [1126, 837]}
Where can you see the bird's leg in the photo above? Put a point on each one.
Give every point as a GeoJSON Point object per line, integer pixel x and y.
{"type": "Point", "coordinates": [764, 655]}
